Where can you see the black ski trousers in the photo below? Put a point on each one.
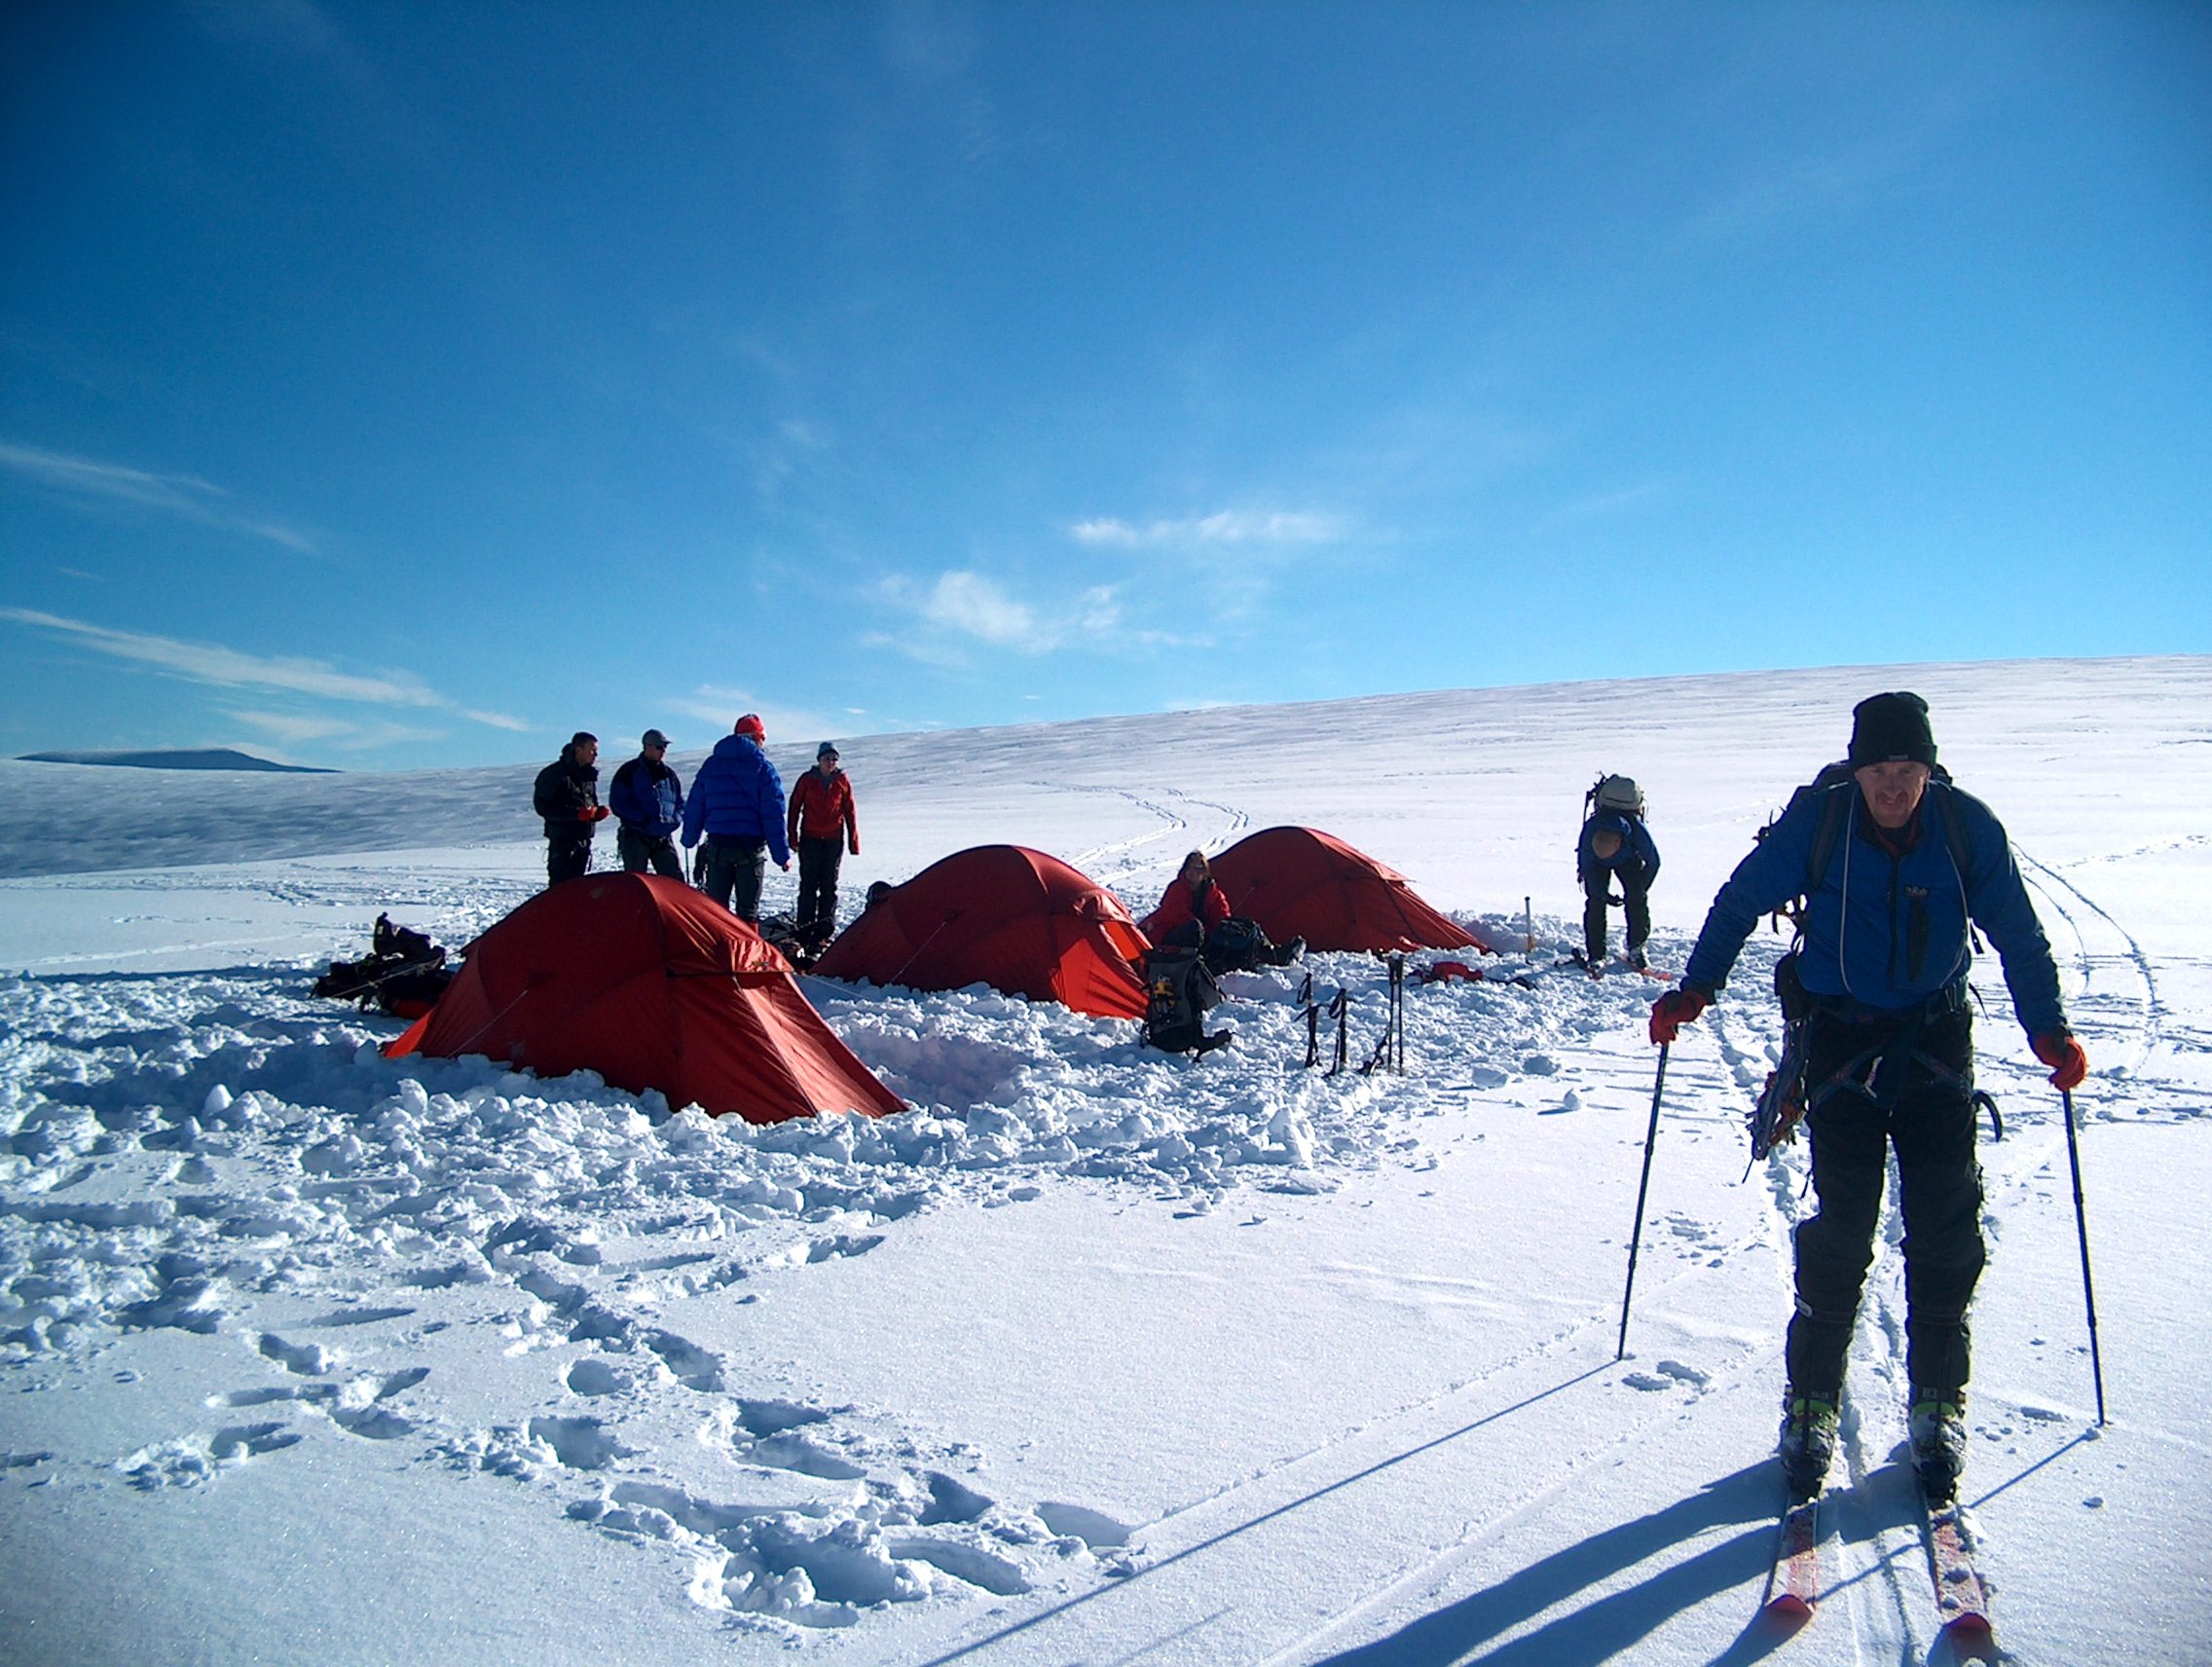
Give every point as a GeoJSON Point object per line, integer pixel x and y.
{"type": "Point", "coordinates": [1927, 1118]}
{"type": "Point", "coordinates": [1636, 889]}
{"type": "Point", "coordinates": [639, 851]}
{"type": "Point", "coordinates": [735, 869]}
{"type": "Point", "coordinates": [567, 857]}
{"type": "Point", "coordinates": [818, 861]}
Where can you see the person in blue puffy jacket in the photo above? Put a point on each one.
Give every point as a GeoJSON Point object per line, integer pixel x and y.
{"type": "Point", "coordinates": [646, 797]}
{"type": "Point", "coordinates": [1615, 846]}
{"type": "Point", "coordinates": [1896, 867]}
{"type": "Point", "coordinates": [737, 802]}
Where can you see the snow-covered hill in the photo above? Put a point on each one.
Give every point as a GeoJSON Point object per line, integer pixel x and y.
{"type": "Point", "coordinates": [1093, 1356]}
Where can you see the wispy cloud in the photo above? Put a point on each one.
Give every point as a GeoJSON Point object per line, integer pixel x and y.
{"type": "Point", "coordinates": [182, 496]}
{"type": "Point", "coordinates": [719, 705]}
{"type": "Point", "coordinates": [298, 730]}
{"type": "Point", "coordinates": [1226, 529]}
{"type": "Point", "coordinates": [965, 606]}
{"type": "Point", "coordinates": [233, 668]}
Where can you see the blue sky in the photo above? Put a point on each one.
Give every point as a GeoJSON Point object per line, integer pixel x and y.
{"type": "Point", "coordinates": [398, 385]}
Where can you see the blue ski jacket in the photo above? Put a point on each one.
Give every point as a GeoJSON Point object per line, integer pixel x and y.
{"type": "Point", "coordinates": [1889, 931]}
{"type": "Point", "coordinates": [648, 796]}
{"type": "Point", "coordinates": [1638, 849]}
{"type": "Point", "coordinates": [737, 795]}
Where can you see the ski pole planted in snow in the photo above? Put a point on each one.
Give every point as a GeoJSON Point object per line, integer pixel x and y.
{"type": "Point", "coordinates": [2082, 1227]}
{"type": "Point", "coordinates": [1635, 1239]}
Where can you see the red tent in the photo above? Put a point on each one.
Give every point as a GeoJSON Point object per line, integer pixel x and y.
{"type": "Point", "coordinates": [1006, 916]}
{"type": "Point", "coordinates": [653, 985]}
{"type": "Point", "coordinates": [1299, 882]}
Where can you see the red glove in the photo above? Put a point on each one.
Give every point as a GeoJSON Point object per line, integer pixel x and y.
{"type": "Point", "coordinates": [1675, 1009]}
{"type": "Point", "coordinates": [2062, 1052]}
{"type": "Point", "coordinates": [600, 813]}
{"type": "Point", "coordinates": [587, 813]}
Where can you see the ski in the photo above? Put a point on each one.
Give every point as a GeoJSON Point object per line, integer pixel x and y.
{"type": "Point", "coordinates": [1793, 1583]}
{"type": "Point", "coordinates": [1962, 1594]}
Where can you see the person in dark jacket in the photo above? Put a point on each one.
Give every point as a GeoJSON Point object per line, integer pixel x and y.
{"type": "Point", "coordinates": [1912, 866]}
{"type": "Point", "coordinates": [1615, 845]}
{"type": "Point", "coordinates": [737, 802]}
{"type": "Point", "coordinates": [1194, 914]}
{"type": "Point", "coordinates": [648, 797]}
{"type": "Point", "coordinates": [567, 798]}
{"type": "Point", "coordinates": [823, 826]}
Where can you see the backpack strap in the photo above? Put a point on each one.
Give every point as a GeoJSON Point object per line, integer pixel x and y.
{"type": "Point", "coordinates": [1835, 810]}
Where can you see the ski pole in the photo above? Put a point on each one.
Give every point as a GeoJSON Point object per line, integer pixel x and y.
{"type": "Point", "coordinates": [1635, 1239]}
{"type": "Point", "coordinates": [1527, 929]}
{"type": "Point", "coordinates": [2082, 1227]}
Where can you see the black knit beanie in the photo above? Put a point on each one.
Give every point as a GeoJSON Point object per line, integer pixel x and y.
{"type": "Point", "coordinates": [1891, 727]}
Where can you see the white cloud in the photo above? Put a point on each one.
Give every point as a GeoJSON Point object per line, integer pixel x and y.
{"type": "Point", "coordinates": [718, 707]}
{"type": "Point", "coordinates": [294, 727]}
{"type": "Point", "coordinates": [975, 606]}
{"type": "Point", "coordinates": [960, 609]}
{"type": "Point", "coordinates": [298, 729]}
{"type": "Point", "coordinates": [184, 496]}
{"type": "Point", "coordinates": [230, 668]}
{"type": "Point", "coordinates": [1227, 528]}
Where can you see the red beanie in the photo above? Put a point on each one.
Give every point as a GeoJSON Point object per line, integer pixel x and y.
{"type": "Point", "coordinates": [751, 724]}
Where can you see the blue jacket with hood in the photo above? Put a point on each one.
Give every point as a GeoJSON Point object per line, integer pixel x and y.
{"type": "Point", "coordinates": [1888, 929]}
{"type": "Point", "coordinates": [1638, 849]}
{"type": "Point", "coordinates": [737, 795]}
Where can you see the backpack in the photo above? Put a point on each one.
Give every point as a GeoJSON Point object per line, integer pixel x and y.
{"type": "Point", "coordinates": [1178, 992]}
{"type": "Point", "coordinates": [1616, 793]}
{"type": "Point", "coordinates": [1237, 946]}
{"type": "Point", "coordinates": [1835, 810]}
{"type": "Point", "coordinates": [403, 974]}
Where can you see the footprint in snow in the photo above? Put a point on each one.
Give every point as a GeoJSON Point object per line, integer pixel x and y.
{"type": "Point", "coordinates": [692, 1366]}
{"type": "Point", "coordinates": [801, 1457]}
{"type": "Point", "coordinates": [361, 1317]}
{"type": "Point", "coordinates": [1096, 1529]}
{"type": "Point", "coordinates": [306, 1360]}
{"type": "Point", "coordinates": [580, 1443]}
{"type": "Point", "coordinates": [772, 1418]}
{"type": "Point", "coordinates": [595, 1376]}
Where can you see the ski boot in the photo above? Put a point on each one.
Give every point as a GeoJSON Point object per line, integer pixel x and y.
{"type": "Point", "coordinates": [1938, 1441]}
{"type": "Point", "coordinates": [1808, 1442]}
{"type": "Point", "coordinates": [1637, 959]}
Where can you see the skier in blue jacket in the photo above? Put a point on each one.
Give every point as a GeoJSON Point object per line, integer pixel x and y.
{"type": "Point", "coordinates": [737, 800]}
{"type": "Point", "coordinates": [1615, 846]}
{"type": "Point", "coordinates": [1907, 865]}
{"type": "Point", "coordinates": [647, 798]}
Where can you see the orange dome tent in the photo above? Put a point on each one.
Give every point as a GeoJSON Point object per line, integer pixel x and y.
{"type": "Point", "coordinates": [653, 985]}
{"type": "Point", "coordinates": [1006, 916]}
{"type": "Point", "coordinates": [1299, 882]}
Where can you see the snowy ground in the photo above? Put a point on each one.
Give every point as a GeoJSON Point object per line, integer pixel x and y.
{"type": "Point", "coordinates": [1093, 1356]}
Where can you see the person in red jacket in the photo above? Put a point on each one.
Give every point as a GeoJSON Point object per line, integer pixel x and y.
{"type": "Point", "coordinates": [1195, 913]}
{"type": "Point", "coordinates": [823, 828]}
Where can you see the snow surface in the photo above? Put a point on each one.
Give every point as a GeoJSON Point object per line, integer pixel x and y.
{"type": "Point", "coordinates": [1095, 1355]}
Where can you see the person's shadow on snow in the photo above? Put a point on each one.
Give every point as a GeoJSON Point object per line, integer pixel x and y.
{"type": "Point", "coordinates": [1602, 1630]}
